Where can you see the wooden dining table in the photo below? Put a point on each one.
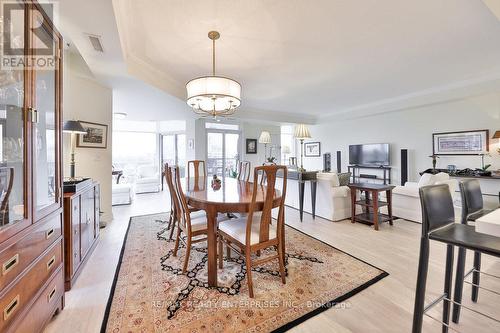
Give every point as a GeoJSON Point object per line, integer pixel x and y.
{"type": "Point", "coordinates": [233, 196]}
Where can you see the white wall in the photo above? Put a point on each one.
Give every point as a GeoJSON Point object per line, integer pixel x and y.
{"type": "Point", "coordinates": [87, 100]}
{"type": "Point", "coordinates": [412, 129]}
{"type": "Point", "coordinates": [251, 130]}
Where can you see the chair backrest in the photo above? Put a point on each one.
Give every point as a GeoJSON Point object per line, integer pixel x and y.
{"type": "Point", "coordinates": [437, 207]}
{"type": "Point", "coordinates": [472, 198]}
{"type": "Point", "coordinates": [169, 185]}
{"type": "Point", "coordinates": [244, 170]}
{"type": "Point", "coordinates": [269, 172]}
{"type": "Point", "coordinates": [181, 206]}
{"type": "Point", "coordinates": [196, 164]}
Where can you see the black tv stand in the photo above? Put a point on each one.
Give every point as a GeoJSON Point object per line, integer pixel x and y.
{"type": "Point", "coordinates": [357, 176]}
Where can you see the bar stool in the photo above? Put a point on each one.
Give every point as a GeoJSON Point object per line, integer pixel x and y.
{"type": "Point", "coordinates": [472, 209]}
{"type": "Point", "coordinates": [438, 224]}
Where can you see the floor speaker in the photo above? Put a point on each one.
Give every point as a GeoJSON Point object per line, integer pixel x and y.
{"type": "Point", "coordinates": [404, 166]}
{"type": "Point", "coordinates": [339, 161]}
{"type": "Point", "coordinates": [327, 162]}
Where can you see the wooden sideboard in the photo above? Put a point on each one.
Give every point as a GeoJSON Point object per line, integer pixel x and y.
{"type": "Point", "coordinates": [81, 230]}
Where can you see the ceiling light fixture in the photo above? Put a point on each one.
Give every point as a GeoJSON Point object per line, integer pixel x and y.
{"type": "Point", "coordinates": [213, 96]}
{"type": "Point", "coordinates": [120, 115]}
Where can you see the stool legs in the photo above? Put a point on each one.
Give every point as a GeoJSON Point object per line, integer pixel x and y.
{"type": "Point", "coordinates": [475, 276]}
{"type": "Point", "coordinates": [459, 284]}
{"type": "Point", "coordinates": [423, 266]}
{"type": "Point", "coordinates": [448, 280]}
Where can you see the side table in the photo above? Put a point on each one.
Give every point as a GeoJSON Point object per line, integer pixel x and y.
{"type": "Point", "coordinates": [371, 203]}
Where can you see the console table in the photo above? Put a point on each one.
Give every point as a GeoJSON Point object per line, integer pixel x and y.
{"type": "Point", "coordinates": [372, 202]}
{"type": "Point", "coordinates": [302, 177]}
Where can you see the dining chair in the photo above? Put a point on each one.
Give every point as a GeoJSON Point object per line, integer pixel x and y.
{"type": "Point", "coordinates": [247, 235]}
{"type": "Point", "coordinates": [197, 165]}
{"type": "Point", "coordinates": [172, 217]}
{"type": "Point", "coordinates": [244, 170]}
{"type": "Point", "coordinates": [472, 209]}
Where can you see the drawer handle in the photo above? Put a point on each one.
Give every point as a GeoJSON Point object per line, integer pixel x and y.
{"type": "Point", "coordinates": [51, 294]}
{"type": "Point", "coordinates": [10, 264]}
{"type": "Point", "coordinates": [11, 308]}
{"type": "Point", "coordinates": [49, 233]}
{"type": "Point", "coordinates": [51, 262]}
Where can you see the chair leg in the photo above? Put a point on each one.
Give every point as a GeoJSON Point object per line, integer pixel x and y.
{"type": "Point", "coordinates": [188, 253]}
{"type": "Point", "coordinates": [423, 266]}
{"type": "Point", "coordinates": [448, 281]}
{"type": "Point", "coordinates": [248, 262]}
{"type": "Point", "coordinates": [219, 251]}
{"type": "Point", "coordinates": [281, 264]}
{"type": "Point", "coordinates": [459, 284]}
{"type": "Point", "coordinates": [176, 246]}
{"type": "Point", "coordinates": [228, 252]}
{"type": "Point", "coordinates": [172, 227]}
{"type": "Point", "coordinates": [475, 276]}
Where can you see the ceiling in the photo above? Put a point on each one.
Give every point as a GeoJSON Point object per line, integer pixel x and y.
{"type": "Point", "coordinates": [296, 60]}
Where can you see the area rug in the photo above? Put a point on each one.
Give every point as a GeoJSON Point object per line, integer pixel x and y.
{"type": "Point", "coordinates": [150, 293]}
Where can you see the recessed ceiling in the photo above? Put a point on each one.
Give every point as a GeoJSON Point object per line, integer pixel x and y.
{"type": "Point", "coordinates": [312, 57]}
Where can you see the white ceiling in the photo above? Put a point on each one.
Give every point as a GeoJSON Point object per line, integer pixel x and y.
{"type": "Point", "coordinates": [297, 60]}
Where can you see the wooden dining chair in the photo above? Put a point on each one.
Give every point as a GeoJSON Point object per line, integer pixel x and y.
{"type": "Point", "coordinates": [197, 165]}
{"type": "Point", "coordinates": [172, 217]}
{"type": "Point", "coordinates": [248, 235]}
{"type": "Point", "coordinates": [244, 170]}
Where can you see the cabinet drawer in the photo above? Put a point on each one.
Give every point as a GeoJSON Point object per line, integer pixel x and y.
{"type": "Point", "coordinates": [16, 258]}
{"type": "Point", "coordinates": [44, 307]}
{"type": "Point", "coordinates": [17, 297]}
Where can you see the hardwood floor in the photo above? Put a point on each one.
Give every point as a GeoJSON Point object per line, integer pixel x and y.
{"type": "Point", "coordinates": [386, 306]}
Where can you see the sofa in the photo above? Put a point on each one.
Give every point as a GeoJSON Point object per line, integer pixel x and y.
{"type": "Point", "coordinates": [122, 194]}
{"type": "Point", "coordinates": [406, 199]}
{"type": "Point", "coordinates": [147, 179]}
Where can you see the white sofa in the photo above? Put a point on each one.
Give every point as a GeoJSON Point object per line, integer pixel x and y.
{"type": "Point", "coordinates": [122, 194]}
{"type": "Point", "coordinates": [147, 179]}
{"type": "Point", "coordinates": [406, 199]}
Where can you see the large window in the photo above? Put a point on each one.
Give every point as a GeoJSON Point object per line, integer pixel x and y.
{"type": "Point", "coordinates": [223, 148]}
{"type": "Point", "coordinates": [174, 150]}
{"type": "Point", "coordinates": [288, 143]}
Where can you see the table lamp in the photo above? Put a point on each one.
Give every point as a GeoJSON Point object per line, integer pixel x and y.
{"type": "Point", "coordinates": [285, 151]}
{"type": "Point", "coordinates": [301, 133]}
{"type": "Point", "coordinates": [73, 127]}
{"type": "Point", "coordinates": [265, 138]}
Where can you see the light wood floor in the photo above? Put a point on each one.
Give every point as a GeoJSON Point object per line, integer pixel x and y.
{"type": "Point", "coordinates": [385, 307]}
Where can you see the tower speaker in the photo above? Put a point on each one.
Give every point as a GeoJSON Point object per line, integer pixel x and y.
{"type": "Point", "coordinates": [404, 166]}
{"type": "Point", "coordinates": [339, 161]}
{"type": "Point", "coordinates": [327, 162]}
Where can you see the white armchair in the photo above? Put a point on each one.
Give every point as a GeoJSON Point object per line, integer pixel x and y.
{"type": "Point", "coordinates": [406, 199]}
{"type": "Point", "coordinates": [147, 179]}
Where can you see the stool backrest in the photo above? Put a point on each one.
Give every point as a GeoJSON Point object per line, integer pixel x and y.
{"type": "Point", "coordinates": [437, 207]}
{"type": "Point", "coordinates": [472, 198]}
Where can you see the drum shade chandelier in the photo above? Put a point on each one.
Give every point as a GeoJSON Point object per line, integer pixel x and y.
{"type": "Point", "coordinates": [213, 96]}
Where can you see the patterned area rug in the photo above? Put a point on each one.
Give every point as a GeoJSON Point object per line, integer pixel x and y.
{"type": "Point", "coordinates": [150, 293]}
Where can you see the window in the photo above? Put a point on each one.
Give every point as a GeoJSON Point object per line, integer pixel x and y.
{"type": "Point", "coordinates": [287, 141]}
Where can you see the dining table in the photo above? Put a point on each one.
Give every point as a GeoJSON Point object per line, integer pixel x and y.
{"type": "Point", "coordinates": [227, 196]}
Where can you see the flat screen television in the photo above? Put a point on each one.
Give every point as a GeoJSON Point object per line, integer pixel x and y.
{"type": "Point", "coordinates": [375, 154]}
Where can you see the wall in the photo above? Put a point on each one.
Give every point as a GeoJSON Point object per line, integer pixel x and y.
{"type": "Point", "coordinates": [252, 130]}
{"type": "Point", "coordinates": [412, 129]}
{"type": "Point", "coordinates": [87, 100]}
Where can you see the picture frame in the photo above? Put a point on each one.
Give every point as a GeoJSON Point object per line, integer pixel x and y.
{"type": "Point", "coordinates": [472, 142]}
{"type": "Point", "coordinates": [312, 149]}
{"type": "Point", "coordinates": [251, 146]}
{"type": "Point", "coordinates": [96, 137]}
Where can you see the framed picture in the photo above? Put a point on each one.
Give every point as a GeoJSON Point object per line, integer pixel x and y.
{"type": "Point", "coordinates": [460, 143]}
{"type": "Point", "coordinates": [251, 146]}
{"type": "Point", "coordinates": [96, 137]}
{"type": "Point", "coordinates": [312, 149]}
{"type": "Point", "coordinates": [191, 144]}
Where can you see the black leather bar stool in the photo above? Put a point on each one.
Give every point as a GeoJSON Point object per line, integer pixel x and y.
{"type": "Point", "coordinates": [472, 209]}
{"type": "Point", "coordinates": [438, 224]}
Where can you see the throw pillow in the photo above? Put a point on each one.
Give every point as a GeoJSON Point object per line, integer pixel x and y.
{"type": "Point", "coordinates": [344, 178]}
{"type": "Point", "coordinates": [426, 179]}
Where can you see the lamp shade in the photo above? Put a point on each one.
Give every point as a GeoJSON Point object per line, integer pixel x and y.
{"type": "Point", "coordinates": [496, 135]}
{"type": "Point", "coordinates": [302, 132]}
{"type": "Point", "coordinates": [265, 137]}
{"type": "Point", "coordinates": [213, 93]}
{"type": "Point", "coordinates": [73, 126]}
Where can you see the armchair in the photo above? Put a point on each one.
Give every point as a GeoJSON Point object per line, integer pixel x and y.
{"type": "Point", "coordinates": [147, 180]}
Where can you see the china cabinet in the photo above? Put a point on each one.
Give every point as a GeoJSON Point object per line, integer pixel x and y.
{"type": "Point", "coordinates": [31, 246]}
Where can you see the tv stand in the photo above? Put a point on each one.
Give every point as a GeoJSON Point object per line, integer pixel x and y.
{"type": "Point", "coordinates": [358, 177]}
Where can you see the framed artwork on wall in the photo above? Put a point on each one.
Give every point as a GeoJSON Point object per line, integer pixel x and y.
{"type": "Point", "coordinates": [96, 137]}
{"type": "Point", "coordinates": [251, 145]}
{"type": "Point", "coordinates": [312, 149]}
{"type": "Point", "coordinates": [460, 143]}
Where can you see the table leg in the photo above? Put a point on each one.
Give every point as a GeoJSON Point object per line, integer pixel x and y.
{"type": "Point", "coordinates": [375, 209]}
{"type": "Point", "coordinates": [212, 246]}
{"type": "Point", "coordinates": [353, 205]}
{"type": "Point", "coordinates": [313, 197]}
{"type": "Point", "coordinates": [301, 199]}
{"type": "Point", "coordinates": [388, 195]}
